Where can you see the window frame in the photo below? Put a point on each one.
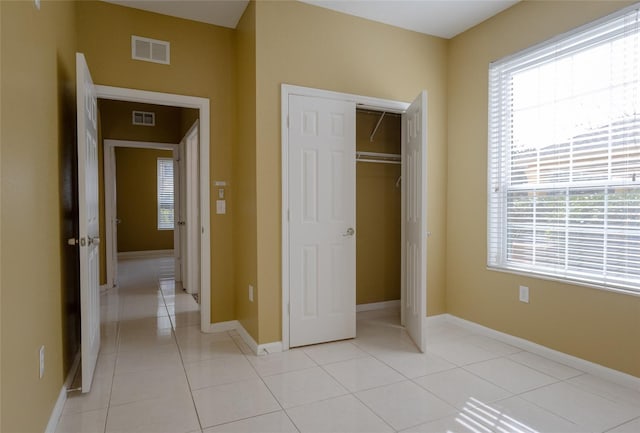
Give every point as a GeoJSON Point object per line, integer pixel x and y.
{"type": "Point", "coordinates": [498, 182]}
{"type": "Point", "coordinates": [159, 203]}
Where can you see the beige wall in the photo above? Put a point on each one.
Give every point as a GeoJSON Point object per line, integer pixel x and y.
{"type": "Point", "coordinates": [378, 207]}
{"type": "Point", "coordinates": [244, 174]}
{"type": "Point", "coordinates": [172, 124]}
{"type": "Point", "coordinates": [309, 46]}
{"type": "Point", "coordinates": [1, 38]}
{"type": "Point", "coordinates": [137, 204]}
{"type": "Point", "coordinates": [117, 124]}
{"type": "Point", "coordinates": [38, 69]}
{"type": "Point", "coordinates": [596, 325]}
{"type": "Point", "coordinates": [202, 64]}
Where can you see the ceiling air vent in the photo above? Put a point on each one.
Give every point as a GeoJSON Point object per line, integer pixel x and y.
{"type": "Point", "coordinates": [150, 50]}
{"type": "Point", "coordinates": [146, 118]}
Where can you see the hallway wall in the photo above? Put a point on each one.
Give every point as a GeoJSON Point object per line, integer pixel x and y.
{"type": "Point", "coordinates": [593, 324]}
{"type": "Point", "coordinates": [136, 192]}
{"type": "Point", "coordinates": [203, 65]}
{"type": "Point", "coordinates": [356, 56]}
{"type": "Point", "coordinates": [38, 135]}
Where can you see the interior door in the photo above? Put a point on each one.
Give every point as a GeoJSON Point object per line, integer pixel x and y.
{"type": "Point", "coordinates": [192, 212]}
{"type": "Point", "coordinates": [414, 211]}
{"type": "Point", "coordinates": [322, 247]}
{"type": "Point", "coordinates": [111, 217]}
{"type": "Point", "coordinates": [88, 220]}
{"type": "Point", "coordinates": [179, 190]}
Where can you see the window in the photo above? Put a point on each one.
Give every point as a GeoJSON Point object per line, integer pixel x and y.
{"type": "Point", "coordinates": [564, 157]}
{"type": "Point", "coordinates": [165, 194]}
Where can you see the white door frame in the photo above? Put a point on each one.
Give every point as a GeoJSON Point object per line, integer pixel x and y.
{"type": "Point", "coordinates": [286, 90]}
{"type": "Point", "coordinates": [110, 199]}
{"type": "Point", "coordinates": [201, 104]}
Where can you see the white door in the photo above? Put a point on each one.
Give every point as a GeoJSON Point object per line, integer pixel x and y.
{"type": "Point", "coordinates": [111, 218]}
{"type": "Point", "coordinates": [178, 210]}
{"type": "Point", "coordinates": [191, 278]}
{"type": "Point", "coordinates": [414, 212]}
{"type": "Point", "coordinates": [322, 247]}
{"type": "Point", "coordinates": [88, 214]}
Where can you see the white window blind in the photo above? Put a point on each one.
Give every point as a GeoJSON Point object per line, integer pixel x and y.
{"type": "Point", "coordinates": [564, 157]}
{"type": "Point", "coordinates": [165, 194]}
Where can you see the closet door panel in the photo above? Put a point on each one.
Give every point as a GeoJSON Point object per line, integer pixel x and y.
{"type": "Point", "coordinates": [321, 220]}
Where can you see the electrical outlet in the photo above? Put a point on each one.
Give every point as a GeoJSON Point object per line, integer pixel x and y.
{"type": "Point", "coordinates": [524, 294]}
{"type": "Point", "coordinates": [41, 362]}
{"type": "Point", "coordinates": [37, 2]}
{"type": "Point", "coordinates": [250, 293]}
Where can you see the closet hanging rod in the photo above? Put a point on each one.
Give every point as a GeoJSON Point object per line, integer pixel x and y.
{"type": "Point", "coordinates": [385, 158]}
{"type": "Point", "coordinates": [379, 161]}
{"type": "Point", "coordinates": [396, 156]}
{"type": "Point", "coordinates": [377, 126]}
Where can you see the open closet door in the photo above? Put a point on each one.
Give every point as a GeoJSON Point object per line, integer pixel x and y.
{"type": "Point", "coordinates": [414, 211]}
{"type": "Point", "coordinates": [191, 277]}
{"type": "Point", "coordinates": [88, 238]}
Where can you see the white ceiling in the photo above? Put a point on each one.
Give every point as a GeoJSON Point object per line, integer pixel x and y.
{"type": "Point", "coordinates": [225, 13]}
{"type": "Point", "coordinates": [444, 18]}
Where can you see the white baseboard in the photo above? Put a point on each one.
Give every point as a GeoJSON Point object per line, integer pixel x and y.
{"type": "Point", "coordinates": [231, 325]}
{"type": "Point", "coordinates": [438, 319]}
{"type": "Point", "coordinates": [235, 325]}
{"type": "Point", "coordinates": [377, 305]}
{"type": "Point", "coordinates": [128, 255]}
{"type": "Point", "coordinates": [56, 413]}
{"type": "Point", "coordinates": [572, 361]}
{"type": "Point", "coordinates": [267, 348]}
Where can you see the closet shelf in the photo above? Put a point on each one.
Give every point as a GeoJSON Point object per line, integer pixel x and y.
{"type": "Point", "coordinates": [380, 158]}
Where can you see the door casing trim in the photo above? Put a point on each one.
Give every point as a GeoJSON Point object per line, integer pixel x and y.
{"type": "Point", "coordinates": [203, 105]}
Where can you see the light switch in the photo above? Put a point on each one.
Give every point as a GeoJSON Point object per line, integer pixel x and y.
{"type": "Point", "coordinates": [221, 193]}
{"type": "Point", "coordinates": [221, 207]}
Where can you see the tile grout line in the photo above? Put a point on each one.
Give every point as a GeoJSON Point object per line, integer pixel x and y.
{"type": "Point", "coordinates": [184, 368]}
{"type": "Point", "coordinates": [269, 389]}
{"type": "Point", "coordinates": [115, 362]}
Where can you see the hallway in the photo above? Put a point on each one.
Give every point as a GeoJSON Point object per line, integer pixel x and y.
{"type": "Point", "coordinates": [158, 373]}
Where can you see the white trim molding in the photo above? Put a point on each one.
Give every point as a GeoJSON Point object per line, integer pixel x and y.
{"type": "Point", "coordinates": [615, 376]}
{"type": "Point", "coordinates": [56, 413]}
{"type": "Point", "coordinates": [110, 205]}
{"type": "Point", "coordinates": [256, 349]}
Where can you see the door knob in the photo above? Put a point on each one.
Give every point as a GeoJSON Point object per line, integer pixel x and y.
{"type": "Point", "coordinates": [350, 232]}
{"type": "Point", "coordinates": [95, 241]}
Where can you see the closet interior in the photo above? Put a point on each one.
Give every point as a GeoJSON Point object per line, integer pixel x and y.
{"type": "Point", "coordinates": [378, 206]}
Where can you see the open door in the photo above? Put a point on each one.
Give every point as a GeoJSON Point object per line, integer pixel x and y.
{"type": "Point", "coordinates": [322, 247]}
{"type": "Point", "coordinates": [88, 237]}
{"type": "Point", "coordinates": [179, 190]}
{"type": "Point", "coordinates": [414, 211]}
{"type": "Point", "coordinates": [190, 213]}
{"type": "Point", "coordinates": [110, 216]}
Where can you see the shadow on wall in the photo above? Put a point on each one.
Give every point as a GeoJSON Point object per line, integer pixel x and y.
{"type": "Point", "coordinates": [68, 169]}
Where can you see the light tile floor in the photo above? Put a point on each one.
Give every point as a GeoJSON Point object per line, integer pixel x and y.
{"type": "Point", "coordinates": [158, 373]}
